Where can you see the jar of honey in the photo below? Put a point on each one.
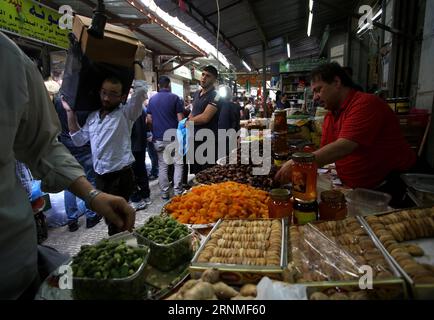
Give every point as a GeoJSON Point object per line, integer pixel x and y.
{"type": "Point", "coordinates": [304, 175]}
{"type": "Point", "coordinates": [280, 123]}
{"type": "Point", "coordinates": [333, 205]}
{"type": "Point", "coordinates": [280, 148]}
{"type": "Point", "coordinates": [280, 205]}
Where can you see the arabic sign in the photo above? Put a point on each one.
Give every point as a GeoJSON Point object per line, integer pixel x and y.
{"type": "Point", "coordinates": [299, 65]}
{"type": "Point", "coordinates": [32, 20]}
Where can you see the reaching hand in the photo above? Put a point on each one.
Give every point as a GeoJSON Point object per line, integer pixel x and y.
{"type": "Point", "coordinates": [140, 53]}
{"type": "Point", "coordinates": [284, 175]}
{"type": "Point", "coordinates": [115, 209]}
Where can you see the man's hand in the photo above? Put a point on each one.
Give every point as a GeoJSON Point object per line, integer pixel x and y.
{"type": "Point", "coordinates": [115, 209]}
{"type": "Point", "coordinates": [140, 52]}
{"type": "Point", "coordinates": [284, 175]}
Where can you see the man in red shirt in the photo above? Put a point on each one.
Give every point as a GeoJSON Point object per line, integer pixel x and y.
{"type": "Point", "coordinates": [361, 134]}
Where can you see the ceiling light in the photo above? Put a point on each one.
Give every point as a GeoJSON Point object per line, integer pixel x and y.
{"type": "Point", "coordinates": [309, 23]}
{"type": "Point", "coordinates": [246, 65]}
{"type": "Point", "coordinates": [288, 50]}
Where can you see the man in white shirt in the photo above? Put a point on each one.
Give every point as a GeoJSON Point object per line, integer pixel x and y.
{"type": "Point", "coordinates": [29, 127]}
{"type": "Point", "coordinates": [109, 133]}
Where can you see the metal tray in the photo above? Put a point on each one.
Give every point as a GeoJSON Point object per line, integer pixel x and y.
{"type": "Point", "coordinates": [240, 274]}
{"type": "Point", "coordinates": [419, 291]}
{"type": "Point", "coordinates": [396, 283]}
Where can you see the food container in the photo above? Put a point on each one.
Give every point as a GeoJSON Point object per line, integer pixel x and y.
{"type": "Point", "coordinates": [236, 274]}
{"type": "Point", "coordinates": [165, 257]}
{"type": "Point", "coordinates": [340, 268]}
{"type": "Point", "coordinates": [365, 202]}
{"type": "Point", "coordinates": [421, 188]}
{"type": "Point", "coordinates": [129, 288]}
{"type": "Point", "coordinates": [421, 291]}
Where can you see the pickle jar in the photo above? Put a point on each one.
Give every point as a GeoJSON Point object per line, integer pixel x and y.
{"type": "Point", "coordinates": [332, 206]}
{"type": "Point", "coordinates": [305, 211]}
{"type": "Point", "coordinates": [280, 205]}
{"type": "Point", "coordinates": [304, 176]}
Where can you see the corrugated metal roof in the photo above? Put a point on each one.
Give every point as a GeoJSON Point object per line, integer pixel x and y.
{"type": "Point", "coordinates": [279, 19]}
{"type": "Point", "coordinates": [155, 34]}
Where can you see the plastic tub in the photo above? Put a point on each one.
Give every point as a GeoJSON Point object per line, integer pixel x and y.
{"type": "Point", "coordinates": [129, 288]}
{"type": "Point", "coordinates": [365, 202]}
{"type": "Point", "coordinates": [166, 257]}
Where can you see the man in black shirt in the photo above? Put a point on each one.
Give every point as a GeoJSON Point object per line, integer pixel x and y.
{"type": "Point", "coordinates": [205, 114]}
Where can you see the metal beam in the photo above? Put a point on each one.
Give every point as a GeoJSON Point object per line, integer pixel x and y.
{"type": "Point", "coordinates": [206, 23]}
{"type": "Point", "coordinates": [184, 62]}
{"type": "Point", "coordinates": [261, 32]}
{"type": "Point", "coordinates": [178, 54]}
{"type": "Point", "coordinates": [93, 6]}
{"type": "Point", "coordinates": [224, 8]}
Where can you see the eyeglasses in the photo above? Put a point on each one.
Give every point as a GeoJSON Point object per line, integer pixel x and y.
{"type": "Point", "coordinates": [110, 95]}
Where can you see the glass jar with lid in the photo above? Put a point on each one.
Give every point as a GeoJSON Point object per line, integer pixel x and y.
{"type": "Point", "coordinates": [333, 205]}
{"type": "Point", "coordinates": [305, 211]}
{"type": "Point", "coordinates": [280, 205]}
{"type": "Point", "coordinates": [280, 148]}
{"type": "Point", "coordinates": [280, 123]}
{"type": "Point", "coordinates": [304, 176]}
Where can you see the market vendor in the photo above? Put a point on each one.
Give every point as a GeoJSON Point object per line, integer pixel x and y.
{"type": "Point", "coordinates": [361, 134]}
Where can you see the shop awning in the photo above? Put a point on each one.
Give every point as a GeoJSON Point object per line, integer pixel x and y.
{"type": "Point", "coordinates": [157, 35]}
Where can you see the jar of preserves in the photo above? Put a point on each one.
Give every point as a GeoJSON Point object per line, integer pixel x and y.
{"type": "Point", "coordinates": [280, 148]}
{"type": "Point", "coordinates": [280, 205]}
{"type": "Point", "coordinates": [304, 175]}
{"type": "Point", "coordinates": [305, 211]}
{"type": "Point", "coordinates": [333, 205]}
{"type": "Point", "coordinates": [280, 123]}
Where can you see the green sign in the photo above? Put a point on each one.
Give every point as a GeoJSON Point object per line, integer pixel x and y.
{"type": "Point", "coordinates": [299, 65]}
{"type": "Point", "coordinates": [32, 20]}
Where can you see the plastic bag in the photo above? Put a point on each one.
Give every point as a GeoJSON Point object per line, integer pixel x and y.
{"type": "Point", "coordinates": [277, 290]}
{"type": "Point", "coordinates": [182, 136]}
{"type": "Point", "coordinates": [334, 251]}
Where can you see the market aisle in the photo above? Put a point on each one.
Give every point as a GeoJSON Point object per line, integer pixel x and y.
{"type": "Point", "coordinates": [70, 242]}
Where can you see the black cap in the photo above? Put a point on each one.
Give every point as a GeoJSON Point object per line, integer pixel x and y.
{"type": "Point", "coordinates": [211, 70]}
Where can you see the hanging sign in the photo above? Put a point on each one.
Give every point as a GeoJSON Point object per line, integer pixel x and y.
{"type": "Point", "coordinates": [32, 20]}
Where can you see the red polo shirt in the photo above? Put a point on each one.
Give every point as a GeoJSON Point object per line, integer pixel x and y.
{"type": "Point", "coordinates": [368, 121]}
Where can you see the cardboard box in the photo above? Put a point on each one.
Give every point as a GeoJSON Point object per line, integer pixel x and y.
{"type": "Point", "coordinates": [117, 48]}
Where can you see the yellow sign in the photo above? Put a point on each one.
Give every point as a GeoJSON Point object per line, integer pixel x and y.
{"type": "Point", "coordinates": [32, 20]}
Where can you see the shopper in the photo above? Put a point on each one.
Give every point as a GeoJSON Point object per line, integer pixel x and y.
{"type": "Point", "coordinates": [282, 101]}
{"type": "Point", "coordinates": [165, 110]}
{"type": "Point", "coordinates": [361, 134]}
{"type": "Point", "coordinates": [229, 119]}
{"type": "Point", "coordinates": [140, 197]}
{"type": "Point", "coordinates": [109, 132]}
{"type": "Point", "coordinates": [205, 115]}
{"type": "Point", "coordinates": [83, 155]}
{"type": "Point", "coordinates": [29, 134]}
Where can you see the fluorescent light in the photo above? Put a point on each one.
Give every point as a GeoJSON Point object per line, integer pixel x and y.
{"type": "Point", "coordinates": [377, 14]}
{"type": "Point", "coordinates": [288, 50]}
{"type": "Point", "coordinates": [198, 63]}
{"type": "Point", "coordinates": [246, 65]}
{"type": "Point", "coordinates": [309, 23]}
{"type": "Point", "coordinates": [366, 25]}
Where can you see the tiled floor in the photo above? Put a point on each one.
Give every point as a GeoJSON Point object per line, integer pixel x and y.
{"type": "Point", "coordinates": [70, 242]}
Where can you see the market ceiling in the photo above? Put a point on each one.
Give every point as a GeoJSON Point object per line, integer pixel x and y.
{"type": "Point", "coordinates": [157, 35]}
{"type": "Point", "coordinates": [246, 24]}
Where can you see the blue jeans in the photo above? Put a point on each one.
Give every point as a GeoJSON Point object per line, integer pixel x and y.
{"type": "Point", "coordinates": [154, 158]}
{"type": "Point", "coordinates": [74, 206]}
